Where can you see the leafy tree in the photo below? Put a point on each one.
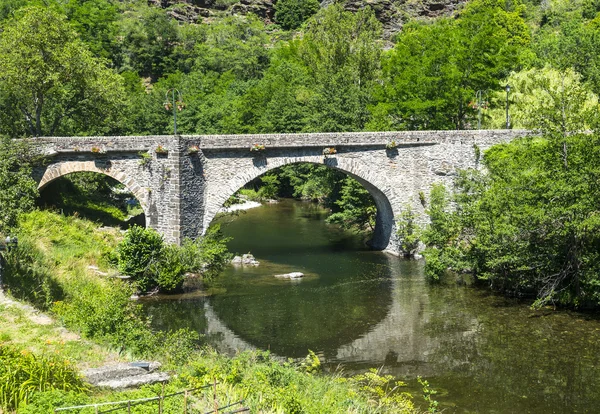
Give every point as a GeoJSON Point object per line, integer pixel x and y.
{"type": "Point", "coordinates": [357, 208]}
{"type": "Point", "coordinates": [18, 190]}
{"type": "Point", "coordinates": [436, 68]}
{"type": "Point", "coordinates": [341, 51]}
{"type": "Point", "coordinates": [49, 76]}
{"type": "Point", "coordinates": [290, 14]}
{"type": "Point", "coordinates": [547, 99]}
{"type": "Point", "coordinates": [408, 232]}
{"type": "Point", "coordinates": [235, 44]}
{"type": "Point", "coordinates": [149, 39]}
{"type": "Point", "coordinates": [96, 23]}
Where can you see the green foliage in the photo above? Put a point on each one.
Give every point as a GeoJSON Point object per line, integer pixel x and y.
{"type": "Point", "coordinates": [27, 277]}
{"type": "Point", "coordinates": [357, 208]}
{"type": "Point", "coordinates": [506, 229]}
{"type": "Point", "coordinates": [23, 373]}
{"type": "Point", "coordinates": [427, 395]}
{"type": "Point", "coordinates": [169, 271]}
{"type": "Point", "coordinates": [290, 14]}
{"type": "Point", "coordinates": [213, 253]}
{"type": "Point", "coordinates": [384, 389]}
{"type": "Point", "coordinates": [148, 42]}
{"type": "Point", "coordinates": [270, 386]}
{"type": "Point", "coordinates": [408, 232]}
{"type": "Point", "coordinates": [436, 68]}
{"type": "Point", "coordinates": [18, 190]}
{"type": "Point", "coordinates": [51, 82]}
{"type": "Point", "coordinates": [138, 252]}
{"type": "Point", "coordinates": [547, 99]}
{"type": "Point", "coordinates": [269, 186]}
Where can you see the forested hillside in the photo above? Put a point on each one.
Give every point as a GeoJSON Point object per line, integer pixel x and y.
{"type": "Point", "coordinates": [103, 66]}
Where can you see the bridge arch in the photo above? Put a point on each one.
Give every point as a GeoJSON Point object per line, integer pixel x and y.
{"type": "Point", "coordinates": [371, 179]}
{"type": "Point", "coordinates": [55, 171]}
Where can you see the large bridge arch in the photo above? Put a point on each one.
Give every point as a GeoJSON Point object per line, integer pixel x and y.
{"type": "Point", "coordinates": [61, 169]}
{"type": "Point", "coordinates": [371, 179]}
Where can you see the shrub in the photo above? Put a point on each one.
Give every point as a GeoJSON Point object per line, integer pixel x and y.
{"type": "Point", "coordinates": [140, 249]}
{"type": "Point", "coordinates": [290, 14]}
{"type": "Point", "coordinates": [408, 232]}
{"type": "Point", "coordinates": [168, 272]}
{"type": "Point", "coordinates": [214, 254]}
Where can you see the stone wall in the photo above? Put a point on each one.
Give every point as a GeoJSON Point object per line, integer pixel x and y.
{"type": "Point", "coordinates": [182, 191]}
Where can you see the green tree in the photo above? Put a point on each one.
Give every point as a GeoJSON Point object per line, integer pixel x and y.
{"type": "Point", "coordinates": [357, 208]}
{"type": "Point", "coordinates": [139, 254]}
{"type": "Point", "coordinates": [547, 99]}
{"type": "Point", "coordinates": [49, 76]}
{"type": "Point", "coordinates": [341, 51]}
{"type": "Point", "coordinates": [148, 42]}
{"type": "Point", "coordinates": [290, 14]}
{"type": "Point", "coordinates": [437, 67]}
{"type": "Point", "coordinates": [18, 190]}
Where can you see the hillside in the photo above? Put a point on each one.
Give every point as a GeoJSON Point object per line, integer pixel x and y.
{"type": "Point", "coordinates": [391, 13]}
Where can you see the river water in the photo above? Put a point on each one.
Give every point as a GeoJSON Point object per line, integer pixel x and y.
{"type": "Point", "coordinates": [358, 309]}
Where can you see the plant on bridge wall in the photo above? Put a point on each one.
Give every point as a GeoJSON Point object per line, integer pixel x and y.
{"type": "Point", "coordinates": [98, 150]}
{"type": "Point", "coordinates": [257, 148]}
{"type": "Point", "coordinates": [391, 145]}
{"type": "Point", "coordinates": [161, 150]}
{"type": "Point", "coordinates": [145, 158]}
{"type": "Point", "coordinates": [329, 151]}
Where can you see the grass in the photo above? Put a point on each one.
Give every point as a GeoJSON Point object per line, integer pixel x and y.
{"type": "Point", "coordinates": [22, 327]}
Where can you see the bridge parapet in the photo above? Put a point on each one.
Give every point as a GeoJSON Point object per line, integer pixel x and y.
{"type": "Point", "coordinates": [172, 143]}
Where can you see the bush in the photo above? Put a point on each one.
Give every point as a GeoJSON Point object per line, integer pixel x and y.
{"type": "Point", "coordinates": [213, 251]}
{"type": "Point", "coordinates": [140, 249]}
{"type": "Point", "coordinates": [168, 272]}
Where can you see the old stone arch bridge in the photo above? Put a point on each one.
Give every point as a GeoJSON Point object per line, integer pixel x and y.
{"type": "Point", "coordinates": [182, 181]}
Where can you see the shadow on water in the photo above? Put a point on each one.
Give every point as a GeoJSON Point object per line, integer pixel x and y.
{"type": "Point", "coordinates": [361, 309]}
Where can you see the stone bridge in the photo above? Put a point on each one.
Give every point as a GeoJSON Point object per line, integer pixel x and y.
{"type": "Point", "coordinates": [182, 181]}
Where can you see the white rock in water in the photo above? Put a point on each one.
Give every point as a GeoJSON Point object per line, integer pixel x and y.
{"type": "Point", "coordinates": [293, 275]}
{"type": "Point", "coordinates": [246, 259]}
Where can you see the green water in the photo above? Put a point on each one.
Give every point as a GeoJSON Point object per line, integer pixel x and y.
{"type": "Point", "coordinates": [358, 309]}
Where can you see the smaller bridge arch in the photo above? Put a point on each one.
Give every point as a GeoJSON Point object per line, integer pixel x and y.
{"type": "Point", "coordinates": [55, 171]}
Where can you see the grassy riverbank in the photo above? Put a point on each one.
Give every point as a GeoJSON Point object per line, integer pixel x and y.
{"type": "Point", "coordinates": [51, 270]}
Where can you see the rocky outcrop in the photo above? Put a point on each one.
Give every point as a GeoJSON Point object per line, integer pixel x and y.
{"type": "Point", "coordinates": [391, 13]}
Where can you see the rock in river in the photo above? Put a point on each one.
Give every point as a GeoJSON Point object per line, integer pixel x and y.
{"type": "Point", "coordinates": [293, 275]}
{"type": "Point", "coordinates": [246, 259]}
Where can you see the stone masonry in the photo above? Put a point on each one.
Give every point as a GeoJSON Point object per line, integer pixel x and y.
{"type": "Point", "coordinates": [181, 189]}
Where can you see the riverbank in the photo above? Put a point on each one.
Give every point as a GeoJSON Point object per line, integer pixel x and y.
{"type": "Point", "coordinates": [51, 270]}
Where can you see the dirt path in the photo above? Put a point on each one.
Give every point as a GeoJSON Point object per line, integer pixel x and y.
{"type": "Point", "coordinates": [26, 327]}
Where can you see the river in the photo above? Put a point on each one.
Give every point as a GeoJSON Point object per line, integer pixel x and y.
{"type": "Point", "coordinates": [358, 309]}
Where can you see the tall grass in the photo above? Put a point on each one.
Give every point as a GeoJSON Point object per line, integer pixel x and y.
{"type": "Point", "coordinates": [23, 373]}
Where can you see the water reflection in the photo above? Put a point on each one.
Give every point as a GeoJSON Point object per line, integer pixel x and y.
{"type": "Point", "coordinates": [367, 309]}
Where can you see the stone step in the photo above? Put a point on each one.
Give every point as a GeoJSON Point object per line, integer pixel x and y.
{"type": "Point", "coordinates": [96, 376]}
{"type": "Point", "coordinates": [134, 381]}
